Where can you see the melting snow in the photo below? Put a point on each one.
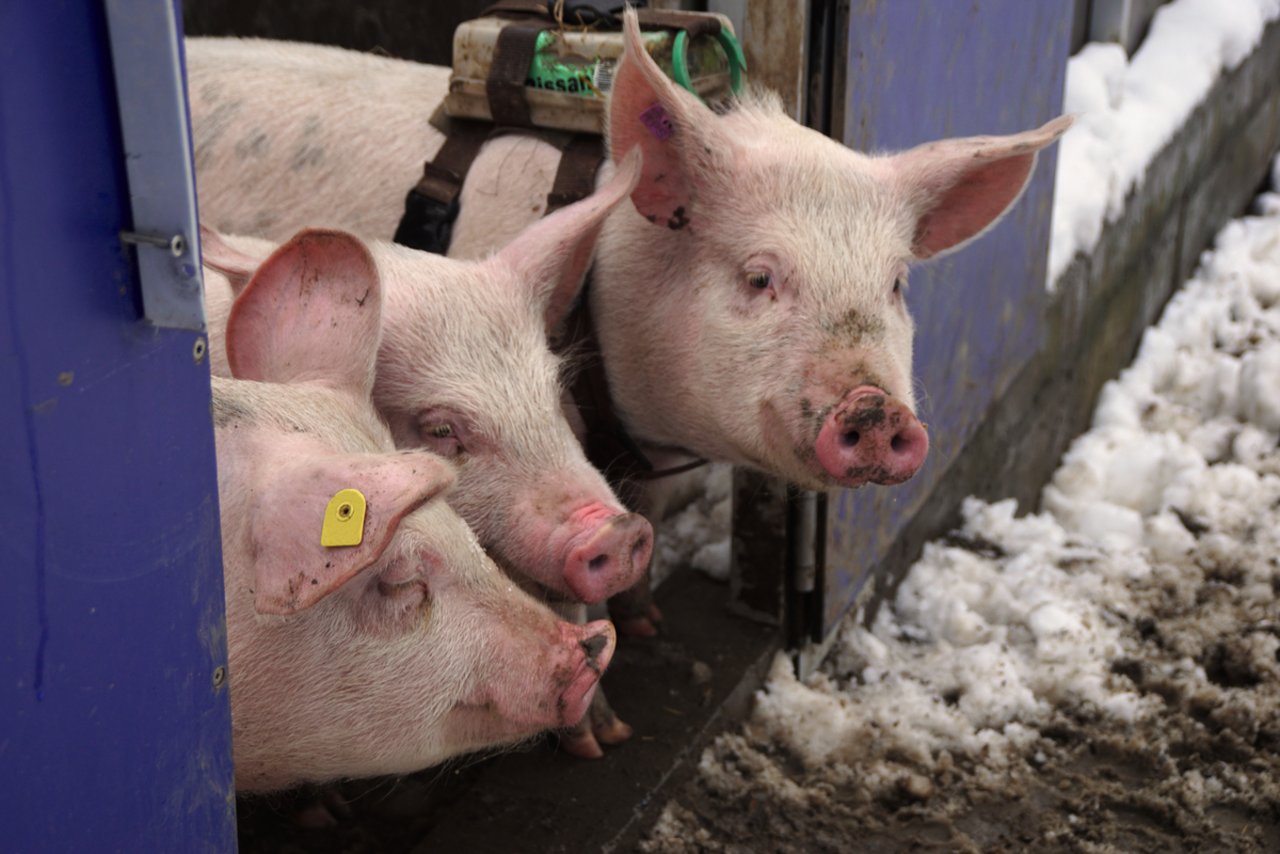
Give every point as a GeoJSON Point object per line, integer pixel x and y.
{"type": "Point", "coordinates": [1164, 518]}
{"type": "Point", "coordinates": [1129, 108]}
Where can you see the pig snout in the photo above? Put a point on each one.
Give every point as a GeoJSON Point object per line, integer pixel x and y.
{"type": "Point", "coordinates": [596, 641]}
{"type": "Point", "coordinates": [609, 555]}
{"type": "Point", "coordinates": [871, 437]}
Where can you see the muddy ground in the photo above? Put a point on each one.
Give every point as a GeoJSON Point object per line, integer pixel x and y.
{"type": "Point", "coordinates": [1202, 774]}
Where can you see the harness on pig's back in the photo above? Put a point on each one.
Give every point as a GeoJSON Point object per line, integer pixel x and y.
{"type": "Point", "coordinates": [432, 207]}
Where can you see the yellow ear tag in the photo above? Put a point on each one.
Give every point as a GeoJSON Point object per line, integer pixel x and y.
{"type": "Point", "coordinates": [343, 519]}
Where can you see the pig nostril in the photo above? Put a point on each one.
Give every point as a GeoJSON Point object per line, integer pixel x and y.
{"type": "Point", "coordinates": [900, 444]}
{"type": "Point", "coordinates": [593, 646]}
{"type": "Point", "coordinates": [848, 440]}
{"type": "Point", "coordinates": [598, 563]}
{"type": "Point", "coordinates": [637, 550]}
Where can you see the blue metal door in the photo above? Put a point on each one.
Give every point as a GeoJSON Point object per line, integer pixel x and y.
{"type": "Point", "coordinates": [114, 717]}
{"type": "Point", "coordinates": [920, 70]}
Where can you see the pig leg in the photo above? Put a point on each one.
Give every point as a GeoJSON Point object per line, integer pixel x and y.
{"type": "Point", "coordinates": [329, 809]}
{"type": "Point", "coordinates": [633, 611]}
{"type": "Point", "coordinates": [599, 725]}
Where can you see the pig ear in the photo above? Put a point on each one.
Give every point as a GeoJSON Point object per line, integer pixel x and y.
{"type": "Point", "coordinates": [292, 569]}
{"type": "Point", "coordinates": [554, 253]}
{"type": "Point", "coordinates": [674, 130]}
{"type": "Point", "coordinates": [215, 252]}
{"type": "Point", "coordinates": [311, 313]}
{"type": "Point", "coordinates": [961, 187]}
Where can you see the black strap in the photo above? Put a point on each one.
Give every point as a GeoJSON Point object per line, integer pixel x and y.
{"type": "Point", "coordinates": [608, 445]}
{"type": "Point", "coordinates": [607, 15]}
{"type": "Point", "coordinates": [601, 14]}
{"type": "Point", "coordinates": [431, 207]}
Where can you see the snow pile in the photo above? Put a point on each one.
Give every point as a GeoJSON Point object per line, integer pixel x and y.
{"type": "Point", "coordinates": [698, 535]}
{"type": "Point", "coordinates": [1129, 109]}
{"type": "Point", "coordinates": [1145, 601]}
{"type": "Point", "coordinates": [1013, 616]}
{"type": "Point", "coordinates": [988, 632]}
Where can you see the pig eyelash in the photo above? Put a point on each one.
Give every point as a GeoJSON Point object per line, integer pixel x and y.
{"type": "Point", "coordinates": [391, 590]}
{"type": "Point", "coordinates": [401, 592]}
{"type": "Point", "coordinates": [763, 282]}
{"type": "Point", "coordinates": [900, 285]}
{"type": "Point", "coordinates": [406, 598]}
{"type": "Point", "coordinates": [763, 274]}
{"type": "Point", "coordinates": [441, 437]}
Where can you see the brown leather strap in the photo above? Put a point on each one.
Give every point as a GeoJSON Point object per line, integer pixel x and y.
{"type": "Point", "coordinates": [576, 175]}
{"type": "Point", "coordinates": [442, 177]}
{"type": "Point", "coordinates": [508, 71]}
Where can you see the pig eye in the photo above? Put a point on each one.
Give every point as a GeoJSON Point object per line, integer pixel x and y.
{"type": "Point", "coordinates": [400, 579]}
{"type": "Point", "coordinates": [764, 273]}
{"type": "Point", "coordinates": [440, 437]}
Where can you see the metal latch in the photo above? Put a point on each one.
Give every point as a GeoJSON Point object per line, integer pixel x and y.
{"type": "Point", "coordinates": [157, 145]}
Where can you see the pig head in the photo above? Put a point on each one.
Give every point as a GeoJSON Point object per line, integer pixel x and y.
{"type": "Point", "coordinates": [464, 370]}
{"type": "Point", "coordinates": [748, 301]}
{"type": "Point", "coordinates": [750, 304]}
{"type": "Point", "coordinates": [378, 653]}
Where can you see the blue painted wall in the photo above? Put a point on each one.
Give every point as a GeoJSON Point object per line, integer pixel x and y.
{"type": "Point", "coordinates": [113, 734]}
{"type": "Point", "coordinates": [920, 70]}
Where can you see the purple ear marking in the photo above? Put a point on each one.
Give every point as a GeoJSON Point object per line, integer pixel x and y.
{"type": "Point", "coordinates": [658, 122]}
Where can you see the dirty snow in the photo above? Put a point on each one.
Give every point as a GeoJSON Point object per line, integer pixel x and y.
{"type": "Point", "coordinates": [698, 535]}
{"type": "Point", "coordinates": [1092, 676]}
{"type": "Point", "coordinates": [1129, 108]}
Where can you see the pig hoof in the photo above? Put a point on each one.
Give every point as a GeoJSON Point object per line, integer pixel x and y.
{"type": "Point", "coordinates": [637, 627]}
{"type": "Point", "coordinates": [328, 810]}
{"type": "Point", "coordinates": [601, 722]}
{"type": "Point", "coordinates": [315, 817]}
{"type": "Point", "coordinates": [581, 744]}
{"type": "Point", "coordinates": [613, 732]}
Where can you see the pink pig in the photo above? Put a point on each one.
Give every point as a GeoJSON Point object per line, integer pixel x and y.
{"type": "Point", "coordinates": [748, 302]}
{"type": "Point", "coordinates": [397, 652]}
{"type": "Point", "coordinates": [464, 371]}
